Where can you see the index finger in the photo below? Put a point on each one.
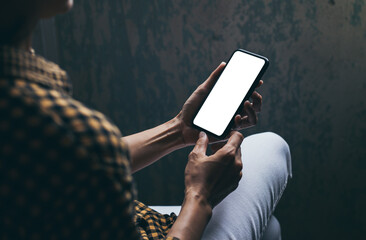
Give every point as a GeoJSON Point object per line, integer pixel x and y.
{"type": "Point", "coordinates": [235, 140]}
{"type": "Point", "coordinates": [214, 76]}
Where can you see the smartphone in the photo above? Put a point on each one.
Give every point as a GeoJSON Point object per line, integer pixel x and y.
{"type": "Point", "coordinates": [235, 85]}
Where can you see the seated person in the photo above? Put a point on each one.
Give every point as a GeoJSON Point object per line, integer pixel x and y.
{"type": "Point", "coordinates": [66, 170]}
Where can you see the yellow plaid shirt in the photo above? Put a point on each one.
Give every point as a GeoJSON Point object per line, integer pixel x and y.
{"type": "Point", "coordinates": [64, 171]}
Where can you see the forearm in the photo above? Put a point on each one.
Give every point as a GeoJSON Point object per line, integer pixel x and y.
{"type": "Point", "coordinates": [192, 219]}
{"type": "Point", "coordinates": [149, 146]}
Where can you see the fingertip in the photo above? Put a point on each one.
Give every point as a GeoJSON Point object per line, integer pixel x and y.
{"type": "Point", "coordinates": [239, 121]}
{"type": "Point", "coordinates": [203, 138]}
{"type": "Point", "coordinates": [214, 76]}
{"type": "Point", "coordinates": [221, 67]}
{"type": "Point", "coordinates": [260, 83]}
{"type": "Point", "coordinates": [236, 134]}
{"type": "Point", "coordinates": [202, 134]}
{"type": "Point", "coordinates": [247, 104]}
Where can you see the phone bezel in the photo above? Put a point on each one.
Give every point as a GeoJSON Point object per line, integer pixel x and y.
{"type": "Point", "coordinates": [247, 96]}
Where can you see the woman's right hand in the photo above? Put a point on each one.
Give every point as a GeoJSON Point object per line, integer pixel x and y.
{"type": "Point", "coordinates": [214, 177]}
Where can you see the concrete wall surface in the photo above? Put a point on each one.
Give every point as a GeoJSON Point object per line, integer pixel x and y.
{"type": "Point", "coordinates": [138, 61]}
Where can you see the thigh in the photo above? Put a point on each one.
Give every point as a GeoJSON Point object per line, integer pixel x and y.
{"type": "Point", "coordinates": [244, 214]}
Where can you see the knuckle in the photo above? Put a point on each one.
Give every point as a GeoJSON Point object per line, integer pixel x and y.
{"type": "Point", "coordinates": [240, 176]}
{"type": "Point", "coordinates": [200, 141]}
{"type": "Point", "coordinates": [202, 89]}
{"type": "Point", "coordinates": [193, 154]}
{"type": "Point", "coordinates": [239, 166]}
{"type": "Point", "coordinates": [235, 186]}
{"type": "Point", "coordinates": [240, 136]}
{"type": "Point", "coordinates": [230, 152]}
{"type": "Point", "coordinates": [258, 96]}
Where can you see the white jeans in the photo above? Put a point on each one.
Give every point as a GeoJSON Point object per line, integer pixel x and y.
{"type": "Point", "coordinates": [245, 213]}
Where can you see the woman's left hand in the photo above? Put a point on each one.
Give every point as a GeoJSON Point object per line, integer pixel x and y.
{"type": "Point", "coordinates": [247, 118]}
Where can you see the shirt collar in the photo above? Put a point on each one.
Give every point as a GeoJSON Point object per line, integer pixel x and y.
{"type": "Point", "coordinates": [16, 63]}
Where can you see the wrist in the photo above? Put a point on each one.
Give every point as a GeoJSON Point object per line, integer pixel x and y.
{"type": "Point", "coordinates": [181, 128]}
{"type": "Point", "coordinates": [187, 134]}
{"type": "Point", "coordinates": [200, 201]}
{"type": "Point", "coordinates": [192, 219]}
{"type": "Point", "coordinates": [176, 129]}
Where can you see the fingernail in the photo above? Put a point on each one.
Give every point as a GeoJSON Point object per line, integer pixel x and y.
{"type": "Point", "coordinates": [202, 134]}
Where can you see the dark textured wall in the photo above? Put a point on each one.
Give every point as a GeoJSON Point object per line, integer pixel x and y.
{"type": "Point", "coordinates": [137, 61]}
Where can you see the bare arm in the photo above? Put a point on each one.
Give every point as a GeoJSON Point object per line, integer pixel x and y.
{"type": "Point", "coordinates": [149, 146]}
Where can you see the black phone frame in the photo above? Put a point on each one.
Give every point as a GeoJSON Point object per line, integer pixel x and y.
{"type": "Point", "coordinates": [247, 96]}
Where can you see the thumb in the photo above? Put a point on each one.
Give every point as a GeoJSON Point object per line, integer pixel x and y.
{"type": "Point", "coordinates": [214, 76]}
{"type": "Point", "coordinates": [201, 144]}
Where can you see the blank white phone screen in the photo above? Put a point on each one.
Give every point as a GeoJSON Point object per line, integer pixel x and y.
{"type": "Point", "coordinates": [228, 92]}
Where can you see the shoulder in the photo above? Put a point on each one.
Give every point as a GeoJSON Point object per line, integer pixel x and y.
{"type": "Point", "coordinates": [67, 155]}
{"type": "Point", "coordinates": [61, 118]}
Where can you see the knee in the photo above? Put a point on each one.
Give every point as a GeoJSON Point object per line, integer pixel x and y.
{"type": "Point", "coordinates": [273, 230]}
{"type": "Point", "coordinates": [274, 145]}
{"type": "Point", "coordinates": [279, 145]}
{"type": "Point", "coordinates": [275, 141]}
